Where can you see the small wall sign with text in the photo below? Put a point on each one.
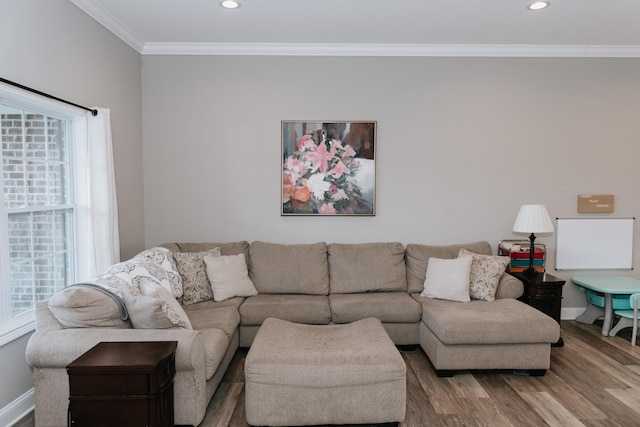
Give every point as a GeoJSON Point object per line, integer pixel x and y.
{"type": "Point", "coordinates": [595, 203]}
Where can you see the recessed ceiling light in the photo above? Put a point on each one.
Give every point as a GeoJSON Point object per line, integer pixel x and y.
{"type": "Point", "coordinates": [230, 4]}
{"type": "Point", "coordinates": [537, 5]}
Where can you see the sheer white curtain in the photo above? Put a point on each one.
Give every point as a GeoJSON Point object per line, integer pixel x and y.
{"type": "Point", "coordinates": [97, 219]}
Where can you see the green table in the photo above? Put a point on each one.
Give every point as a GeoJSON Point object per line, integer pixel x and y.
{"type": "Point", "coordinates": [608, 285]}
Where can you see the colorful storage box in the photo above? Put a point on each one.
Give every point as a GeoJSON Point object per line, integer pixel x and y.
{"type": "Point", "coordinates": [619, 302]}
{"type": "Point", "coordinates": [518, 251]}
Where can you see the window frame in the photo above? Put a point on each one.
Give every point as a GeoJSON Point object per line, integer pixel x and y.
{"type": "Point", "coordinates": [12, 328]}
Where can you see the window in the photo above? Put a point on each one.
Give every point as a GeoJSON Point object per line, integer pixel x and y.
{"type": "Point", "coordinates": [37, 214]}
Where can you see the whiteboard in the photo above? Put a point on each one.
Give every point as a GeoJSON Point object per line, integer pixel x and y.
{"type": "Point", "coordinates": [594, 243]}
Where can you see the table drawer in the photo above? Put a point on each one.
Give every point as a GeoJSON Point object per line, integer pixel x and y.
{"type": "Point", "coordinates": [618, 302]}
{"type": "Point", "coordinates": [542, 291]}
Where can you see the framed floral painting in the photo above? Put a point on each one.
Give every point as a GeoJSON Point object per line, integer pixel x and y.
{"type": "Point", "coordinates": [328, 168]}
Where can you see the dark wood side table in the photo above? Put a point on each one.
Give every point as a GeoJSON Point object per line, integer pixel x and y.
{"type": "Point", "coordinates": [543, 292]}
{"type": "Point", "coordinates": [123, 384]}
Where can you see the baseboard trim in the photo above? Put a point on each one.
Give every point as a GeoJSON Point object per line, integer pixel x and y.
{"type": "Point", "coordinates": [570, 313]}
{"type": "Point", "coordinates": [16, 410]}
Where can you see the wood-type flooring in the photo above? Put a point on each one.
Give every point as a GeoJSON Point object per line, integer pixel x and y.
{"type": "Point", "coordinates": [593, 381]}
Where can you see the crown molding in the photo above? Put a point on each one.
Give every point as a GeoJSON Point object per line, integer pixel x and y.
{"type": "Point", "coordinates": [104, 18]}
{"type": "Point", "coordinates": [340, 49]}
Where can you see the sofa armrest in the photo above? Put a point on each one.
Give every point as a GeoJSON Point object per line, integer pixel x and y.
{"type": "Point", "coordinates": [509, 287]}
{"type": "Point", "coordinates": [58, 348]}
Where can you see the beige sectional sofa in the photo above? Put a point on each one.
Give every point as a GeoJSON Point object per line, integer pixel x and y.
{"type": "Point", "coordinates": [317, 284]}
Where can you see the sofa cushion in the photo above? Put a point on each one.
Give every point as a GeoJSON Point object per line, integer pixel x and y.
{"type": "Point", "coordinates": [289, 269]}
{"type": "Point", "coordinates": [207, 316]}
{"type": "Point", "coordinates": [417, 256]}
{"type": "Point", "coordinates": [226, 248]}
{"type": "Point", "coordinates": [503, 321]}
{"type": "Point", "coordinates": [215, 346]}
{"type": "Point", "coordinates": [448, 279]}
{"type": "Point", "coordinates": [486, 271]}
{"type": "Point", "coordinates": [81, 307]}
{"type": "Point", "coordinates": [194, 275]}
{"type": "Point", "coordinates": [389, 307]}
{"type": "Point", "coordinates": [229, 277]}
{"type": "Point", "coordinates": [367, 267]}
{"type": "Point", "coordinates": [310, 309]}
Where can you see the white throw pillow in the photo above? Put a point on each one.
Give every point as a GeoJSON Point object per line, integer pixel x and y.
{"type": "Point", "coordinates": [229, 277]}
{"type": "Point", "coordinates": [155, 308]}
{"type": "Point", "coordinates": [448, 279]}
{"type": "Point", "coordinates": [82, 307]}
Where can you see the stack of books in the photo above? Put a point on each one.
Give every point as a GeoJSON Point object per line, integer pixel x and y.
{"type": "Point", "coordinates": [518, 251]}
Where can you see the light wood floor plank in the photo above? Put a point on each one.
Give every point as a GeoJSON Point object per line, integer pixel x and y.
{"type": "Point", "coordinates": [554, 414]}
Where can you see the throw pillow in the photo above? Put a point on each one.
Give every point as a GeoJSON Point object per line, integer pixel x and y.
{"type": "Point", "coordinates": [167, 274]}
{"type": "Point", "coordinates": [486, 271]}
{"type": "Point", "coordinates": [229, 277]}
{"type": "Point", "coordinates": [448, 279]}
{"type": "Point", "coordinates": [155, 308]}
{"type": "Point", "coordinates": [79, 307]}
{"type": "Point", "coordinates": [195, 285]}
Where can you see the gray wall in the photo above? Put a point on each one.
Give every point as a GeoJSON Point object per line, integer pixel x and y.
{"type": "Point", "coordinates": [56, 48]}
{"type": "Point", "coordinates": [461, 144]}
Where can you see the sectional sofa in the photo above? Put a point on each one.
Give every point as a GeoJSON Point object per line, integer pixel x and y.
{"type": "Point", "coordinates": [212, 298]}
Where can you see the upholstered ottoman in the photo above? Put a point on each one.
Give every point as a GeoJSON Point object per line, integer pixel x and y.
{"type": "Point", "coordinates": [324, 374]}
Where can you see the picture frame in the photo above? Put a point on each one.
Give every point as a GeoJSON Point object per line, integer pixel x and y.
{"type": "Point", "coordinates": [328, 168]}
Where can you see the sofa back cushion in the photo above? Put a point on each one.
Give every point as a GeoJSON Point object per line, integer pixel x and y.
{"type": "Point", "coordinates": [289, 269]}
{"type": "Point", "coordinates": [417, 257]}
{"type": "Point", "coordinates": [230, 248]}
{"type": "Point", "coordinates": [367, 267]}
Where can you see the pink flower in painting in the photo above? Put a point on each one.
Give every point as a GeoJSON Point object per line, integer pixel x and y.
{"type": "Point", "coordinates": [296, 168]}
{"type": "Point", "coordinates": [319, 156]}
{"type": "Point", "coordinates": [348, 151]}
{"type": "Point", "coordinates": [302, 194]}
{"type": "Point", "coordinates": [333, 189]}
{"type": "Point", "coordinates": [339, 169]}
{"type": "Point", "coordinates": [305, 142]}
{"type": "Point", "coordinates": [287, 188]}
{"type": "Point", "coordinates": [327, 208]}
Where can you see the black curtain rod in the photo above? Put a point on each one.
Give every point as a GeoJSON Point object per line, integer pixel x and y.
{"type": "Point", "coordinates": [94, 112]}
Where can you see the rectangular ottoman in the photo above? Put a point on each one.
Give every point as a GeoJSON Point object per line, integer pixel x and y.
{"type": "Point", "coordinates": [324, 374]}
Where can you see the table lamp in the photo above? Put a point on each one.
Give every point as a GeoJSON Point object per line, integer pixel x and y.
{"type": "Point", "coordinates": [532, 219]}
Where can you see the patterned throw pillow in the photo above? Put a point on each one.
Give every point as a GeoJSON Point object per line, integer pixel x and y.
{"type": "Point", "coordinates": [167, 275]}
{"type": "Point", "coordinates": [486, 271]}
{"type": "Point", "coordinates": [195, 284]}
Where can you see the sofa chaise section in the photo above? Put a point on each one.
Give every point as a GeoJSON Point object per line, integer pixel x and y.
{"type": "Point", "coordinates": [500, 333]}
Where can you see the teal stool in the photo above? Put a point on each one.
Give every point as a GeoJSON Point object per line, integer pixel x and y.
{"type": "Point", "coordinates": [628, 318]}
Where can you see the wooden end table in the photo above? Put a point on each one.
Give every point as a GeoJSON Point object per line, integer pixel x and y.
{"type": "Point", "coordinates": [123, 384]}
{"type": "Point", "coordinates": [544, 292]}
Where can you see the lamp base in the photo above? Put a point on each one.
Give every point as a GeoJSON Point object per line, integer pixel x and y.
{"type": "Point", "coordinates": [530, 273]}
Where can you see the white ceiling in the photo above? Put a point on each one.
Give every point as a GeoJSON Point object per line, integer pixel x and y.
{"type": "Point", "coordinates": [374, 27]}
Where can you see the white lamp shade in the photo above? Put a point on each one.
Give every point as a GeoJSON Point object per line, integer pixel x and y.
{"type": "Point", "coordinates": [533, 219]}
